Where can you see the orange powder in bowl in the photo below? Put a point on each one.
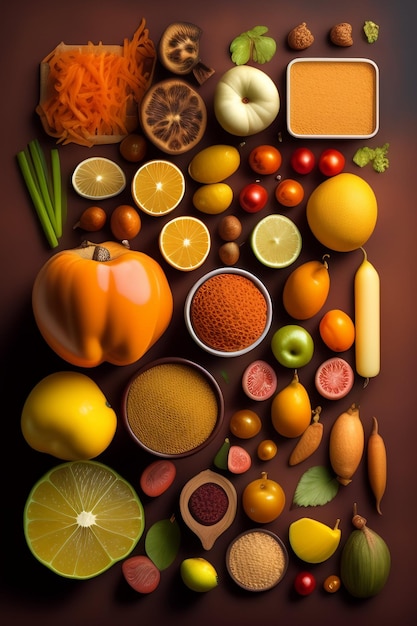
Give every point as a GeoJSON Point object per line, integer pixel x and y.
{"type": "Point", "coordinates": [228, 312]}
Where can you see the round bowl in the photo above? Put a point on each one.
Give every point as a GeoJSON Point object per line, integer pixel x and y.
{"type": "Point", "coordinates": [257, 560]}
{"type": "Point", "coordinates": [172, 407]}
{"type": "Point", "coordinates": [244, 312]}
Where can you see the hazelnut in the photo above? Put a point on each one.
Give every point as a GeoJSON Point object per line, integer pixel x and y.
{"type": "Point", "coordinates": [341, 35]}
{"type": "Point", "coordinates": [300, 37]}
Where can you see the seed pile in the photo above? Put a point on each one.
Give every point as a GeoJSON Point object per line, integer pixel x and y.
{"type": "Point", "coordinates": [228, 312]}
{"type": "Point", "coordinates": [171, 408]}
{"type": "Point", "coordinates": [208, 504]}
{"type": "Point", "coordinates": [256, 560]}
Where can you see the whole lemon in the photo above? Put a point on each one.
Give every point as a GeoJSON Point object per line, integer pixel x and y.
{"type": "Point", "coordinates": [214, 163]}
{"type": "Point", "coordinates": [342, 212]}
{"type": "Point", "coordinates": [213, 198]}
{"type": "Point", "coordinates": [67, 415]}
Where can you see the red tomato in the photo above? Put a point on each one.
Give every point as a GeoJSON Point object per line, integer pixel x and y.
{"type": "Point", "coordinates": [304, 583]}
{"type": "Point", "coordinates": [302, 160]}
{"type": "Point", "coordinates": [253, 198]}
{"type": "Point", "coordinates": [331, 162]}
{"type": "Point", "coordinates": [289, 192]}
{"type": "Point", "coordinates": [265, 159]}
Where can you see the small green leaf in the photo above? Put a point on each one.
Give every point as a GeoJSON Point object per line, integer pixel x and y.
{"type": "Point", "coordinates": [162, 542]}
{"type": "Point", "coordinates": [316, 487]}
{"type": "Point", "coordinates": [253, 46]}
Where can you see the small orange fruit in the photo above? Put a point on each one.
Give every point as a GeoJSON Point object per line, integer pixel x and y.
{"type": "Point", "coordinates": [125, 222]}
{"type": "Point", "coordinates": [337, 330]}
{"type": "Point", "coordinates": [267, 450]}
{"type": "Point", "coordinates": [92, 219]}
{"type": "Point", "coordinates": [245, 424]}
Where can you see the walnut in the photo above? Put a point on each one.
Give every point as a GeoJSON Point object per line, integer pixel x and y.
{"type": "Point", "coordinates": [300, 37]}
{"type": "Point", "coordinates": [341, 35]}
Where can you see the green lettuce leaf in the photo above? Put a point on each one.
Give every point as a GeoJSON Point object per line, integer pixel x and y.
{"type": "Point", "coordinates": [253, 45]}
{"type": "Point", "coordinates": [316, 487]}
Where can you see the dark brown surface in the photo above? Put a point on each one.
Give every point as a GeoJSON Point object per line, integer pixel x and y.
{"type": "Point", "coordinates": [30, 592]}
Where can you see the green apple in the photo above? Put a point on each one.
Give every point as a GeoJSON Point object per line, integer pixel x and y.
{"type": "Point", "coordinates": [292, 346]}
{"type": "Point", "coordinates": [198, 574]}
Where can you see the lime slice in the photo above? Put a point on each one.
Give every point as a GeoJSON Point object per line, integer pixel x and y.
{"type": "Point", "coordinates": [82, 517]}
{"type": "Point", "coordinates": [158, 187]}
{"type": "Point", "coordinates": [185, 242]}
{"type": "Point", "coordinates": [276, 241]}
{"type": "Point", "coordinates": [98, 178]}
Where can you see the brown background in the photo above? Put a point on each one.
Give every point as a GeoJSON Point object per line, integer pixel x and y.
{"type": "Point", "coordinates": [30, 592]}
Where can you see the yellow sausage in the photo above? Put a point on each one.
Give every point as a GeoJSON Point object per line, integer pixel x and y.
{"type": "Point", "coordinates": [367, 319]}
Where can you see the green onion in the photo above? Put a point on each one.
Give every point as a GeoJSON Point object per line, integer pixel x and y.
{"type": "Point", "coordinates": [57, 191]}
{"type": "Point", "coordinates": [28, 173]}
{"type": "Point", "coordinates": [42, 178]}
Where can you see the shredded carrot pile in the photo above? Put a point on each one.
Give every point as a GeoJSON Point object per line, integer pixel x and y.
{"type": "Point", "coordinates": [90, 91]}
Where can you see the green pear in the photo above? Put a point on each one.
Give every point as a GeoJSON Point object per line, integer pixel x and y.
{"type": "Point", "coordinates": [198, 574]}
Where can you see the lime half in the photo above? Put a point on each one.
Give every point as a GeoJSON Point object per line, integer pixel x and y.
{"type": "Point", "coordinates": [276, 241]}
{"type": "Point", "coordinates": [82, 517]}
{"type": "Point", "coordinates": [98, 178]}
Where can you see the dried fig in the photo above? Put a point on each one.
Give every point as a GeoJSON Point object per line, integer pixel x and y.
{"type": "Point", "coordinates": [179, 51]}
{"type": "Point", "coordinates": [300, 37]}
{"type": "Point", "coordinates": [341, 35]}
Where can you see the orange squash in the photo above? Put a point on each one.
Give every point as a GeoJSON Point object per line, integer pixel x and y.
{"type": "Point", "coordinates": [101, 302]}
{"type": "Point", "coordinates": [306, 289]}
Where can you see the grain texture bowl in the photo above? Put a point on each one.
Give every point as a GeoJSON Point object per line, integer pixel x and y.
{"type": "Point", "coordinates": [332, 98]}
{"type": "Point", "coordinates": [228, 312]}
{"type": "Point", "coordinates": [172, 407]}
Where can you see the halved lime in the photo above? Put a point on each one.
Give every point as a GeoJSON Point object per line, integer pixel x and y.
{"type": "Point", "coordinates": [81, 517]}
{"type": "Point", "coordinates": [276, 241]}
{"type": "Point", "coordinates": [98, 178]}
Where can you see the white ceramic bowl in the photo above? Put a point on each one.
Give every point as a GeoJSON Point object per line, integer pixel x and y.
{"type": "Point", "coordinates": [188, 311]}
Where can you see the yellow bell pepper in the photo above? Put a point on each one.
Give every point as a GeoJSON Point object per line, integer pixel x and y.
{"type": "Point", "coordinates": [101, 302]}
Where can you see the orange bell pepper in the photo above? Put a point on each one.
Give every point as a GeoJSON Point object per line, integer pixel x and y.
{"type": "Point", "coordinates": [101, 302]}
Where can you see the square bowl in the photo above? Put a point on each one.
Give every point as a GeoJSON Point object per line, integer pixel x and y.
{"type": "Point", "coordinates": [332, 98]}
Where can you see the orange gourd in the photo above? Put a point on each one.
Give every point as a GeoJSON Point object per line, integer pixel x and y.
{"type": "Point", "coordinates": [101, 302]}
{"type": "Point", "coordinates": [306, 289]}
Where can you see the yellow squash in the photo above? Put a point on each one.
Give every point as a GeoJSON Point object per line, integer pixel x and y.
{"type": "Point", "coordinates": [312, 541]}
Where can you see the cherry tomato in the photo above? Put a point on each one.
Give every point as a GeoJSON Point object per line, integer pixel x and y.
{"type": "Point", "coordinates": [245, 424]}
{"type": "Point", "coordinates": [304, 583]}
{"type": "Point", "coordinates": [265, 159]}
{"type": "Point", "coordinates": [253, 197]}
{"type": "Point", "coordinates": [331, 162]}
{"type": "Point", "coordinates": [337, 330]}
{"type": "Point", "coordinates": [133, 148]}
{"type": "Point", "coordinates": [332, 584]}
{"type": "Point", "coordinates": [289, 192]}
{"type": "Point", "coordinates": [302, 160]}
{"type": "Point", "coordinates": [267, 450]}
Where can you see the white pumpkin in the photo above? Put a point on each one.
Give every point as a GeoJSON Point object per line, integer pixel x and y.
{"type": "Point", "coordinates": [246, 101]}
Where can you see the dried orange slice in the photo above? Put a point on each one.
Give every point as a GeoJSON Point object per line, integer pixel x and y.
{"type": "Point", "coordinates": [185, 242]}
{"type": "Point", "coordinates": [158, 187]}
{"type": "Point", "coordinates": [173, 116]}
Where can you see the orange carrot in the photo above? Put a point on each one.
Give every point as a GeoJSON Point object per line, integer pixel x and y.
{"type": "Point", "coordinates": [91, 91]}
{"type": "Point", "coordinates": [309, 440]}
{"type": "Point", "coordinates": [377, 464]}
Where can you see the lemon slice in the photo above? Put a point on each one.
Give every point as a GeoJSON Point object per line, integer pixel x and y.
{"type": "Point", "coordinates": [82, 517]}
{"type": "Point", "coordinates": [185, 242]}
{"type": "Point", "coordinates": [98, 178]}
{"type": "Point", "coordinates": [158, 187]}
{"type": "Point", "coordinates": [276, 241]}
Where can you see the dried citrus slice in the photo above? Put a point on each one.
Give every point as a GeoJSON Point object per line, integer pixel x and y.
{"type": "Point", "coordinates": [158, 187]}
{"type": "Point", "coordinates": [185, 242]}
{"type": "Point", "coordinates": [82, 517]}
{"type": "Point", "coordinates": [276, 241]}
{"type": "Point", "coordinates": [173, 116]}
{"type": "Point", "coordinates": [98, 178]}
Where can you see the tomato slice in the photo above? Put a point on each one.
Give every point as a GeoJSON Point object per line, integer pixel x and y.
{"type": "Point", "coordinates": [334, 378]}
{"type": "Point", "coordinates": [259, 380]}
{"type": "Point", "coordinates": [157, 477]}
{"type": "Point", "coordinates": [141, 573]}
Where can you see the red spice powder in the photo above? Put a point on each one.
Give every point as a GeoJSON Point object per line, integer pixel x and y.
{"type": "Point", "coordinates": [208, 504]}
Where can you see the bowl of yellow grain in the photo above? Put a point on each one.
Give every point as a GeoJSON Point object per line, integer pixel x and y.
{"type": "Point", "coordinates": [257, 560]}
{"type": "Point", "coordinates": [172, 407]}
{"type": "Point", "coordinates": [228, 312]}
{"type": "Point", "coordinates": [332, 98]}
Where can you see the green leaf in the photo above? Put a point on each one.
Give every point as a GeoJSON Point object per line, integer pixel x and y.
{"type": "Point", "coordinates": [253, 46]}
{"type": "Point", "coordinates": [162, 542]}
{"type": "Point", "coordinates": [316, 487]}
